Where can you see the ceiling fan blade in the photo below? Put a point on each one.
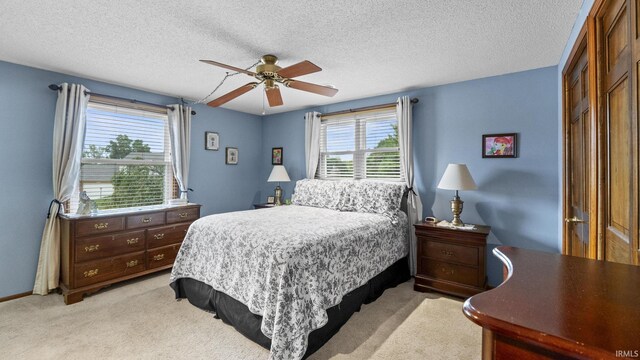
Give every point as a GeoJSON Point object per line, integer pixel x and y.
{"type": "Point", "coordinates": [299, 69]}
{"type": "Point", "coordinates": [215, 63]}
{"type": "Point", "coordinates": [316, 89]}
{"type": "Point", "coordinates": [233, 94]}
{"type": "Point", "coordinates": [274, 96]}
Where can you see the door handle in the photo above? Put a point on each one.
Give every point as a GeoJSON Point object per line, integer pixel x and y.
{"type": "Point", "coordinates": [574, 220]}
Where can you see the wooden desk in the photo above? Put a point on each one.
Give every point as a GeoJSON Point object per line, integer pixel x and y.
{"type": "Point", "coordinates": [553, 306]}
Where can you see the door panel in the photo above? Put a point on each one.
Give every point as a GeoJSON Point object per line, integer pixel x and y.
{"type": "Point", "coordinates": [618, 200]}
{"type": "Point", "coordinates": [617, 38]}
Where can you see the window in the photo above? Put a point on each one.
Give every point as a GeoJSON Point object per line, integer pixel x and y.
{"type": "Point", "coordinates": [126, 158]}
{"type": "Point", "coordinates": [360, 146]}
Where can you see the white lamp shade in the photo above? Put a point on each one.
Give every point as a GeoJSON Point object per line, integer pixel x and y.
{"type": "Point", "coordinates": [457, 177]}
{"type": "Point", "coordinates": [278, 174]}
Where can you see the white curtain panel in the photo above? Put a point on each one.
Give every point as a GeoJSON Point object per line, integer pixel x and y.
{"type": "Point", "coordinates": [180, 134]}
{"type": "Point", "coordinates": [414, 205]}
{"type": "Point", "coordinates": [312, 142]}
{"type": "Point", "coordinates": [68, 138]}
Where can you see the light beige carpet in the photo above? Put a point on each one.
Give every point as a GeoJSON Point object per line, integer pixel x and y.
{"type": "Point", "coordinates": [141, 320]}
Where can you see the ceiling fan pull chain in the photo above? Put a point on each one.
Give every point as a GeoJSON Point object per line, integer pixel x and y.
{"type": "Point", "coordinates": [222, 82]}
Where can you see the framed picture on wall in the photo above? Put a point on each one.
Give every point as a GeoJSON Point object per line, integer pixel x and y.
{"type": "Point", "coordinates": [211, 140]}
{"type": "Point", "coordinates": [232, 156]}
{"type": "Point", "coordinates": [500, 145]}
{"type": "Point", "coordinates": [276, 156]}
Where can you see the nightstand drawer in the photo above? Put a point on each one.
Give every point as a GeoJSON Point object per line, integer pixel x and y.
{"type": "Point", "coordinates": [449, 252]}
{"type": "Point", "coordinates": [451, 272]}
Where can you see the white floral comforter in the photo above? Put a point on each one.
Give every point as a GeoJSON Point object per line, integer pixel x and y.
{"type": "Point", "coordinates": [290, 263]}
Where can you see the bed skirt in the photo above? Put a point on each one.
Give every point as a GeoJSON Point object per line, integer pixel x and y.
{"type": "Point", "coordinates": [235, 313]}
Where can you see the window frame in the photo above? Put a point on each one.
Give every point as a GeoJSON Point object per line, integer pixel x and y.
{"type": "Point", "coordinates": [170, 186]}
{"type": "Point", "coordinates": [360, 120]}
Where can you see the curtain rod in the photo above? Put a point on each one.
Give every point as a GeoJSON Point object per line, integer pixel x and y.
{"type": "Point", "coordinates": [134, 101]}
{"type": "Point", "coordinates": [367, 108]}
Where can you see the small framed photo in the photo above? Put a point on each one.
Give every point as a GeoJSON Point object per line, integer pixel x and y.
{"type": "Point", "coordinates": [211, 140]}
{"type": "Point", "coordinates": [276, 156]}
{"type": "Point", "coordinates": [271, 199]}
{"type": "Point", "coordinates": [232, 156]}
{"type": "Point", "coordinates": [500, 145]}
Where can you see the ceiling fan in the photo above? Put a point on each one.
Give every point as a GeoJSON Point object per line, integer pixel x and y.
{"type": "Point", "coordinates": [269, 73]}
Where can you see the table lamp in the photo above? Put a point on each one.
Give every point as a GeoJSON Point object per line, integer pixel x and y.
{"type": "Point", "coordinates": [457, 177]}
{"type": "Point", "coordinates": [278, 174]}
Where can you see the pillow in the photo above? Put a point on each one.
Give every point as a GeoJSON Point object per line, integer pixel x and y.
{"type": "Point", "coordinates": [377, 197]}
{"type": "Point", "coordinates": [350, 195]}
{"type": "Point", "coordinates": [317, 193]}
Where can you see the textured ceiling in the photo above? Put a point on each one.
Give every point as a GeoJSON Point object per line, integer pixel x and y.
{"type": "Point", "coordinates": [365, 48]}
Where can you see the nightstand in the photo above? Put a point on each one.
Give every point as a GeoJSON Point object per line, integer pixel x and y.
{"type": "Point", "coordinates": [263, 206]}
{"type": "Point", "coordinates": [451, 261]}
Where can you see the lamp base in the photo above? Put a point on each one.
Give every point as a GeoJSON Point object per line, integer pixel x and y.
{"type": "Point", "coordinates": [456, 209]}
{"type": "Point", "coordinates": [278, 195]}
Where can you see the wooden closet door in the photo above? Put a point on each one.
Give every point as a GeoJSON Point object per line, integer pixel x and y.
{"type": "Point", "coordinates": [577, 137]}
{"type": "Point", "coordinates": [635, 149]}
{"type": "Point", "coordinates": [616, 128]}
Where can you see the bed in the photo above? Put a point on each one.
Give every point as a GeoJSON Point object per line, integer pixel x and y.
{"type": "Point", "coordinates": [288, 277]}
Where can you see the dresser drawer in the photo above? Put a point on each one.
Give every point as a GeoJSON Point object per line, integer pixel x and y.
{"type": "Point", "coordinates": [109, 245]}
{"type": "Point", "coordinates": [182, 215]}
{"type": "Point", "coordinates": [107, 269]}
{"type": "Point", "coordinates": [145, 220]}
{"type": "Point", "coordinates": [99, 226]}
{"type": "Point", "coordinates": [451, 272]}
{"type": "Point", "coordinates": [166, 235]}
{"type": "Point", "coordinates": [448, 252]}
{"type": "Point", "coordinates": [162, 256]}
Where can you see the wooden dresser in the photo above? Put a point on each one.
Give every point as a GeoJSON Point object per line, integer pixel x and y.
{"type": "Point", "coordinates": [554, 306]}
{"type": "Point", "coordinates": [451, 261]}
{"type": "Point", "coordinates": [97, 251]}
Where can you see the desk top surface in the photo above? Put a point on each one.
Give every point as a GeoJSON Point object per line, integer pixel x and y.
{"type": "Point", "coordinates": [562, 302]}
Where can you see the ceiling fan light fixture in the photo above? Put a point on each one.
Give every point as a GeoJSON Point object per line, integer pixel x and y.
{"type": "Point", "coordinates": [269, 73]}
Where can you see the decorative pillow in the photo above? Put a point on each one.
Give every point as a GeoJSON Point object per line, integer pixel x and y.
{"type": "Point", "coordinates": [317, 193]}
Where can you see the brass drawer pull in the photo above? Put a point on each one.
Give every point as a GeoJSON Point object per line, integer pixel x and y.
{"type": "Point", "coordinates": [158, 257]}
{"type": "Point", "coordinates": [132, 263]}
{"type": "Point", "coordinates": [183, 215]}
{"type": "Point", "coordinates": [450, 272]}
{"type": "Point", "coordinates": [101, 226]}
{"type": "Point", "coordinates": [132, 241]}
{"type": "Point", "coordinates": [91, 248]}
{"type": "Point", "coordinates": [446, 252]}
{"type": "Point", "coordinates": [91, 273]}
{"type": "Point", "coordinates": [158, 236]}
{"type": "Point", "coordinates": [146, 220]}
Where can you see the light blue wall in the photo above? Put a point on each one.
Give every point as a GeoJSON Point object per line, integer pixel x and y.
{"type": "Point", "coordinates": [26, 128]}
{"type": "Point", "coordinates": [518, 197]}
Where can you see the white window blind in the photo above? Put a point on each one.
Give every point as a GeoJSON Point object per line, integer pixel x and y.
{"type": "Point", "coordinates": [126, 159]}
{"type": "Point", "coordinates": [360, 146]}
